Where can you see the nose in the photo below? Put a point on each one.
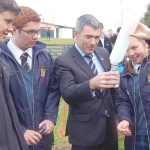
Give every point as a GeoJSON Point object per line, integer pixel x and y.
{"type": "Point", "coordinates": [35, 36]}
{"type": "Point", "coordinates": [10, 28]}
{"type": "Point", "coordinates": [130, 53]}
{"type": "Point", "coordinates": [92, 41]}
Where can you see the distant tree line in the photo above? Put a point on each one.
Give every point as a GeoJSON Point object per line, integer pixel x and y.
{"type": "Point", "coordinates": [146, 18]}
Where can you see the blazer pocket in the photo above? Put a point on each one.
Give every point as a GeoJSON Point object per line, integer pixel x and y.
{"type": "Point", "coordinates": [3, 148]}
{"type": "Point", "coordinates": [79, 117]}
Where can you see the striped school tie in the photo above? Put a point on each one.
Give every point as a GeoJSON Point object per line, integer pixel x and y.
{"type": "Point", "coordinates": [24, 62]}
{"type": "Point", "coordinates": [92, 64]}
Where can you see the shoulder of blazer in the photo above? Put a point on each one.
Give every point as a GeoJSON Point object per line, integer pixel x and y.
{"type": "Point", "coordinates": [102, 51]}
{"type": "Point", "coordinates": [72, 51]}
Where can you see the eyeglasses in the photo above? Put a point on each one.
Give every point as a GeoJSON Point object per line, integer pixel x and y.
{"type": "Point", "coordinates": [31, 32]}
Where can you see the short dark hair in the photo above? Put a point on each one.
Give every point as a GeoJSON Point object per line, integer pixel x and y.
{"type": "Point", "coordinates": [88, 20]}
{"type": "Point", "coordinates": [9, 5]}
{"type": "Point", "coordinates": [118, 29]}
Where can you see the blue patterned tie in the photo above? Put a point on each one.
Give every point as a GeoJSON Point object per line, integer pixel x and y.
{"type": "Point", "coordinates": [24, 62]}
{"type": "Point", "coordinates": [91, 64]}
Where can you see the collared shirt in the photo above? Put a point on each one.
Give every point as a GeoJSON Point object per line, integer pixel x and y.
{"type": "Point", "coordinates": [17, 52]}
{"type": "Point", "coordinates": [136, 67]}
{"type": "Point", "coordinates": [95, 59]}
{"type": "Point", "coordinates": [102, 40]}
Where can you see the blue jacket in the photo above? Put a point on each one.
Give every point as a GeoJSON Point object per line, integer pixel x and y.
{"type": "Point", "coordinates": [126, 103]}
{"type": "Point", "coordinates": [46, 93]}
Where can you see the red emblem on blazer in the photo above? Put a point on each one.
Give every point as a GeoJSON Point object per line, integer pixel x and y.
{"type": "Point", "coordinates": [43, 73]}
{"type": "Point", "coordinates": [148, 77]}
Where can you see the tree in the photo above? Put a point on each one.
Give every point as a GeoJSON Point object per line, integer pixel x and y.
{"type": "Point", "coordinates": [146, 17]}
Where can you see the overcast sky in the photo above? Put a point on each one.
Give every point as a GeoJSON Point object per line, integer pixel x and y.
{"type": "Point", "coordinates": [66, 12]}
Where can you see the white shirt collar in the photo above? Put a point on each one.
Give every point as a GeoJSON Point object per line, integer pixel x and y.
{"type": "Point", "coordinates": [17, 52]}
{"type": "Point", "coordinates": [136, 66]}
{"type": "Point", "coordinates": [80, 51]}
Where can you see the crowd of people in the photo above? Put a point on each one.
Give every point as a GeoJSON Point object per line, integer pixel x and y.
{"type": "Point", "coordinates": [31, 83]}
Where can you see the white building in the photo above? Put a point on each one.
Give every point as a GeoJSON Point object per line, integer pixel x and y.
{"type": "Point", "coordinates": [57, 31]}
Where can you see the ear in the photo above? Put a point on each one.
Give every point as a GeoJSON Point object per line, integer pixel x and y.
{"type": "Point", "coordinates": [75, 33]}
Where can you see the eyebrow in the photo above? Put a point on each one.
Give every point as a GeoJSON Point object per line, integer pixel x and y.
{"type": "Point", "coordinates": [9, 19]}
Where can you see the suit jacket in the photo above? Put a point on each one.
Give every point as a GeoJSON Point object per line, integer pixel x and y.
{"type": "Point", "coordinates": [11, 137]}
{"type": "Point", "coordinates": [107, 44]}
{"type": "Point", "coordinates": [113, 39]}
{"type": "Point", "coordinates": [86, 119]}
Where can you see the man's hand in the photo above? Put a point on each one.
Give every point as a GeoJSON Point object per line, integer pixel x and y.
{"type": "Point", "coordinates": [123, 128]}
{"type": "Point", "coordinates": [104, 80]}
{"type": "Point", "coordinates": [32, 137]}
{"type": "Point", "coordinates": [141, 32]}
{"type": "Point", "coordinates": [49, 126]}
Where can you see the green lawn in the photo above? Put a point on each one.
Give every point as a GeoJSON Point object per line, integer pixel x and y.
{"type": "Point", "coordinates": [59, 119]}
{"type": "Point", "coordinates": [57, 41]}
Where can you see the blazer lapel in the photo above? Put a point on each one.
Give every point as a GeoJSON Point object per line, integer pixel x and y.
{"type": "Point", "coordinates": [100, 56]}
{"type": "Point", "coordinates": [80, 61]}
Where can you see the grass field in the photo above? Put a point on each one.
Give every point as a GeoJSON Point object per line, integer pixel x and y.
{"type": "Point", "coordinates": [59, 119]}
{"type": "Point", "coordinates": [57, 41]}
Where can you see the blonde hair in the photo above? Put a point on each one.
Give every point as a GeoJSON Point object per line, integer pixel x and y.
{"type": "Point", "coordinates": [129, 63]}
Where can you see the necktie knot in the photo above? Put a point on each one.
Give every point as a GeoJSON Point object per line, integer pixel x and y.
{"type": "Point", "coordinates": [88, 56]}
{"type": "Point", "coordinates": [138, 68]}
{"type": "Point", "coordinates": [25, 55]}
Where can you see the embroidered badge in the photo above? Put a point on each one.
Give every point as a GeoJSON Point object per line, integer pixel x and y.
{"type": "Point", "coordinates": [148, 76]}
{"type": "Point", "coordinates": [43, 73]}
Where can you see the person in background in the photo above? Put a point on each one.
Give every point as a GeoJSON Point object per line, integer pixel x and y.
{"type": "Point", "coordinates": [83, 73]}
{"type": "Point", "coordinates": [114, 37]}
{"type": "Point", "coordinates": [48, 33]}
{"type": "Point", "coordinates": [11, 137]}
{"type": "Point", "coordinates": [104, 41]}
{"type": "Point", "coordinates": [134, 98]}
{"type": "Point", "coordinates": [32, 85]}
{"type": "Point", "coordinates": [110, 31]}
{"type": "Point", "coordinates": [106, 33]}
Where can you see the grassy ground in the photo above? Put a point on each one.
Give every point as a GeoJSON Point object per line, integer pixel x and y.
{"type": "Point", "coordinates": [57, 41]}
{"type": "Point", "coordinates": [58, 139]}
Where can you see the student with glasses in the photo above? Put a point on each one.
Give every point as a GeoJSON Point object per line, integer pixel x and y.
{"type": "Point", "coordinates": [31, 32]}
{"type": "Point", "coordinates": [32, 84]}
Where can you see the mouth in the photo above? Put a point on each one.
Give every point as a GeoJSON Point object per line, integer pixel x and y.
{"type": "Point", "coordinates": [91, 47]}
{"type": "Point", "coordinates": [134, 58]}
{"type": "Point", "coordinates": [33, 42]}
{"type": "Point", "coordinates": [5, 36]}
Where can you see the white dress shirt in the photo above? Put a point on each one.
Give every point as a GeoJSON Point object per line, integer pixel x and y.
{"type": "Point", "coordinates": [136, 67]}
{"type": "Point", "coordinates": [102, 40]}
{"type": "Point", "coordinates": [17, 52]}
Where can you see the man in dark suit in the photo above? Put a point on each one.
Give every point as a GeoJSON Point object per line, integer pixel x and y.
{"type": "Point", "coordinates": [104, 41]}
{"type": "Point", "coordinates": [11, 137]}
{"type": "Point", "coordinates": [114, 37]}
{"type": "Point", "coordinates": [85, 80]}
